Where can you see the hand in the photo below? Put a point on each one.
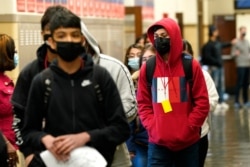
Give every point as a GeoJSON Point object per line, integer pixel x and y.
{"type": "Point", "coordinates": [237, 52]}
{"type": "Point", "coordinates": [49, 143]}
{"type": "Point", "coordinates": [135, 75]}
{"type": "Point", "coordinates": [66, 143]}
{"type": "Point", "coordinates": [132, 155]}
{"type": "Point", "coordinates": [28, 159]}
{"type": "Point", "coordinates": [12, 155]}
{"type": "Point", "coordinates": [233, 41]}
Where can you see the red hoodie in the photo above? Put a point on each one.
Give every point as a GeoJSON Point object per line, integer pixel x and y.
{"type": "Point", "coordinates": [6, 114]}
{"type": "Point", "coordinates": [180, 127]}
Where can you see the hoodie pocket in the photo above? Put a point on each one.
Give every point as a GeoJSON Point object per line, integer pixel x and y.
{"type": "Point", "coordinates": [174, 132]}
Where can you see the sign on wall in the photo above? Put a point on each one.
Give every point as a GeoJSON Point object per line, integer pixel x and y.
{"type": "Point", "coordinates": [96, 8]}
{"type": "Point", "coordinates": [147, 8]}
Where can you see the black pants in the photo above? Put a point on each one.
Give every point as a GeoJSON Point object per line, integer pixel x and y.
{"type": "Point", "coordinates": [3, 152]}
{"type": "Point", "coordinates": [203, 147]}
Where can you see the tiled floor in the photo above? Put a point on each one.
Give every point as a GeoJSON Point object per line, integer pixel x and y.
{"type": "Point", "coordinates": [229, 138]}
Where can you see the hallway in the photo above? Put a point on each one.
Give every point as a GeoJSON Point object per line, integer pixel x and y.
{"type": "Point", "coordinates": [229, 138]}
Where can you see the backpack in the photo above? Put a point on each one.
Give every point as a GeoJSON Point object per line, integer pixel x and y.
{"type": "Point", "coordinates": [187, 66]}
{"type": "Point", "coordinates": [47, 78]}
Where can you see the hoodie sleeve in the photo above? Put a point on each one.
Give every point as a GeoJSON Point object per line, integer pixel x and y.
{"type": "Point", "coordinates": [200, 97]}
{"type": "Point", "coordinates": [212, 92]}
{"type": "Point", "coordinates": [32, 131]}
{"type": "Point", "coordinates": [145, 108]}
{"type": "Point", "coordinates": [117, 128]}
{"type": "Point", "coordinates": [124, 83]}
{"type": "Point", "coordinates": [127, 93]}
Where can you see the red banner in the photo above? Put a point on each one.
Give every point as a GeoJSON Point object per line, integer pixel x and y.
{"type": "Point", "coordinates": [21, 5]}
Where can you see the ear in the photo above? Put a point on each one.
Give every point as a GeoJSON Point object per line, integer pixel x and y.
{"type": "Point", "coordinates": [52, 43]}
{"type": "Point", "coordinates": [83, 41]}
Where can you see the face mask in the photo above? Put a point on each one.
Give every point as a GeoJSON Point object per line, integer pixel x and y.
{"type": "Point", "coordinates": [162, 45]}
{"type": "Point", "coordinates": [69, 51]}
{"type": "Point", "coordinates": [16, 59]}
{"type": "Point", "coordinates": [133, 63]}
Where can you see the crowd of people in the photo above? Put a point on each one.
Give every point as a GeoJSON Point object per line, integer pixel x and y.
{"type": "Point", "coordinates": [139, 112]}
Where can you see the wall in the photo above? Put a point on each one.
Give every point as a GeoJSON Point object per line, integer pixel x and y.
{"type": "Point", "coordinates": [22, 22]}
{"type": "Point", "coordinates": [217, 7]}
{"type": "Point", "coordinates": [189, 11]}
{"type": "Point", "coordinates": [243, 20]}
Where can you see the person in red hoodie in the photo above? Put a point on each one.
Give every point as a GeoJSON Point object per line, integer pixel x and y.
{"type": "Point", "coordinates": [8, 61]}
{"type": "Point", "coordinates": [171, 113]}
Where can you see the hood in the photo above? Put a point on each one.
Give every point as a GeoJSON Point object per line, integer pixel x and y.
{"type": "Point", "coordinates": [41, 53]}
{"type": "Point", "coordinates": [174, 32]}
{"type": "Point", "coordinates": [92, 42]}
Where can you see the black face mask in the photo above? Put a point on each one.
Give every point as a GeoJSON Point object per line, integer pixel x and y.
{"type": "Point", "coordinates": [69, 51]}
{"type": "Point", "coordinates": [162, 45]}
{"type": "Point", "coordinates": [45, 39]}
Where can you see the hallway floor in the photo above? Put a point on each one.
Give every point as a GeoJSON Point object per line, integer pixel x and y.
{"type": "Point", "coordinates": [229, 138]}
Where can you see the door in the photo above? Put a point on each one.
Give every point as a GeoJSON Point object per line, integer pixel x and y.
{"type": "Point", "coordinates": [226, 25]}
{"type": "Point", "coordinates": [133, 23]}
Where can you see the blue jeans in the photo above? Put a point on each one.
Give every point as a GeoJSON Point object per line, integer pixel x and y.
{"type": "Point", "coordinates": [160, 156]}
{"type": "Point", "coordinates": [217, 75]}
{"type": "Point", "coordinates": [141, 156]}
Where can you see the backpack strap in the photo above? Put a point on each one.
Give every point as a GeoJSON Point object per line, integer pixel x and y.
{"type": "Point", "coordinates": [150, 68]}
{"type": "Point", "coordinates": [47, 79]}
{"type": "Point", "coordinates": [96, 85]}
{"type": "Point", "coordinates": [187, 62]}
{"type": "Point", "coordinates": [98, 91]}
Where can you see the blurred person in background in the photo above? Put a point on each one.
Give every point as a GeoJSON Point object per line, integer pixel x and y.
{"type": "Point", "coordinates": [212, 57]}
{"type": "Point", "coordinates": [241, 53]}
{"type": "Point", "coordinates": [138, 141]}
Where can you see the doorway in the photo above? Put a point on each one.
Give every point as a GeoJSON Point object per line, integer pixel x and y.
{"type": "Point", "coordinates": [226, 25]}
{"type": "Point", "coordinates": [133, 23]}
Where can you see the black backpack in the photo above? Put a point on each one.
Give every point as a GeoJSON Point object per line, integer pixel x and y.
{"type": "Point", "coordinates": [47, 78]}
{"type": "Point", "coordinates": [187, 65]}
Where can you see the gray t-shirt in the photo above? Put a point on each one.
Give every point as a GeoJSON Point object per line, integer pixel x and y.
{"type": "Point", "coordinates": [243, 59]}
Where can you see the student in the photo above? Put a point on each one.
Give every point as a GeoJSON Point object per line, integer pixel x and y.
{"type": "Point", "coordinates": [138, 140]}
{"type": "Point", "coordinates": [73, 100]}
{"type": "Point", "coordinates": [132, 61]}
{"type": "Point", "coordinates": [172, 118]}
{"type": "Point", "coordinates": [142, 40]}
{"type": "Point", "coordinates": [7, 63]}
{"type": "Point", "coordinates": [212, 57]}
{"type": "Point", "coordinates": [213, 101]}
{"type": "Point", "coordinates": [45, 55]}
{"type": "Point", "coordinates": [124, 83]}
{"type": "Point", "coordinates": [241, 51]}
{"type": "Point", "coordinates": [3, 151]}
{"type": "Point", "coordinates": [148, 52]}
